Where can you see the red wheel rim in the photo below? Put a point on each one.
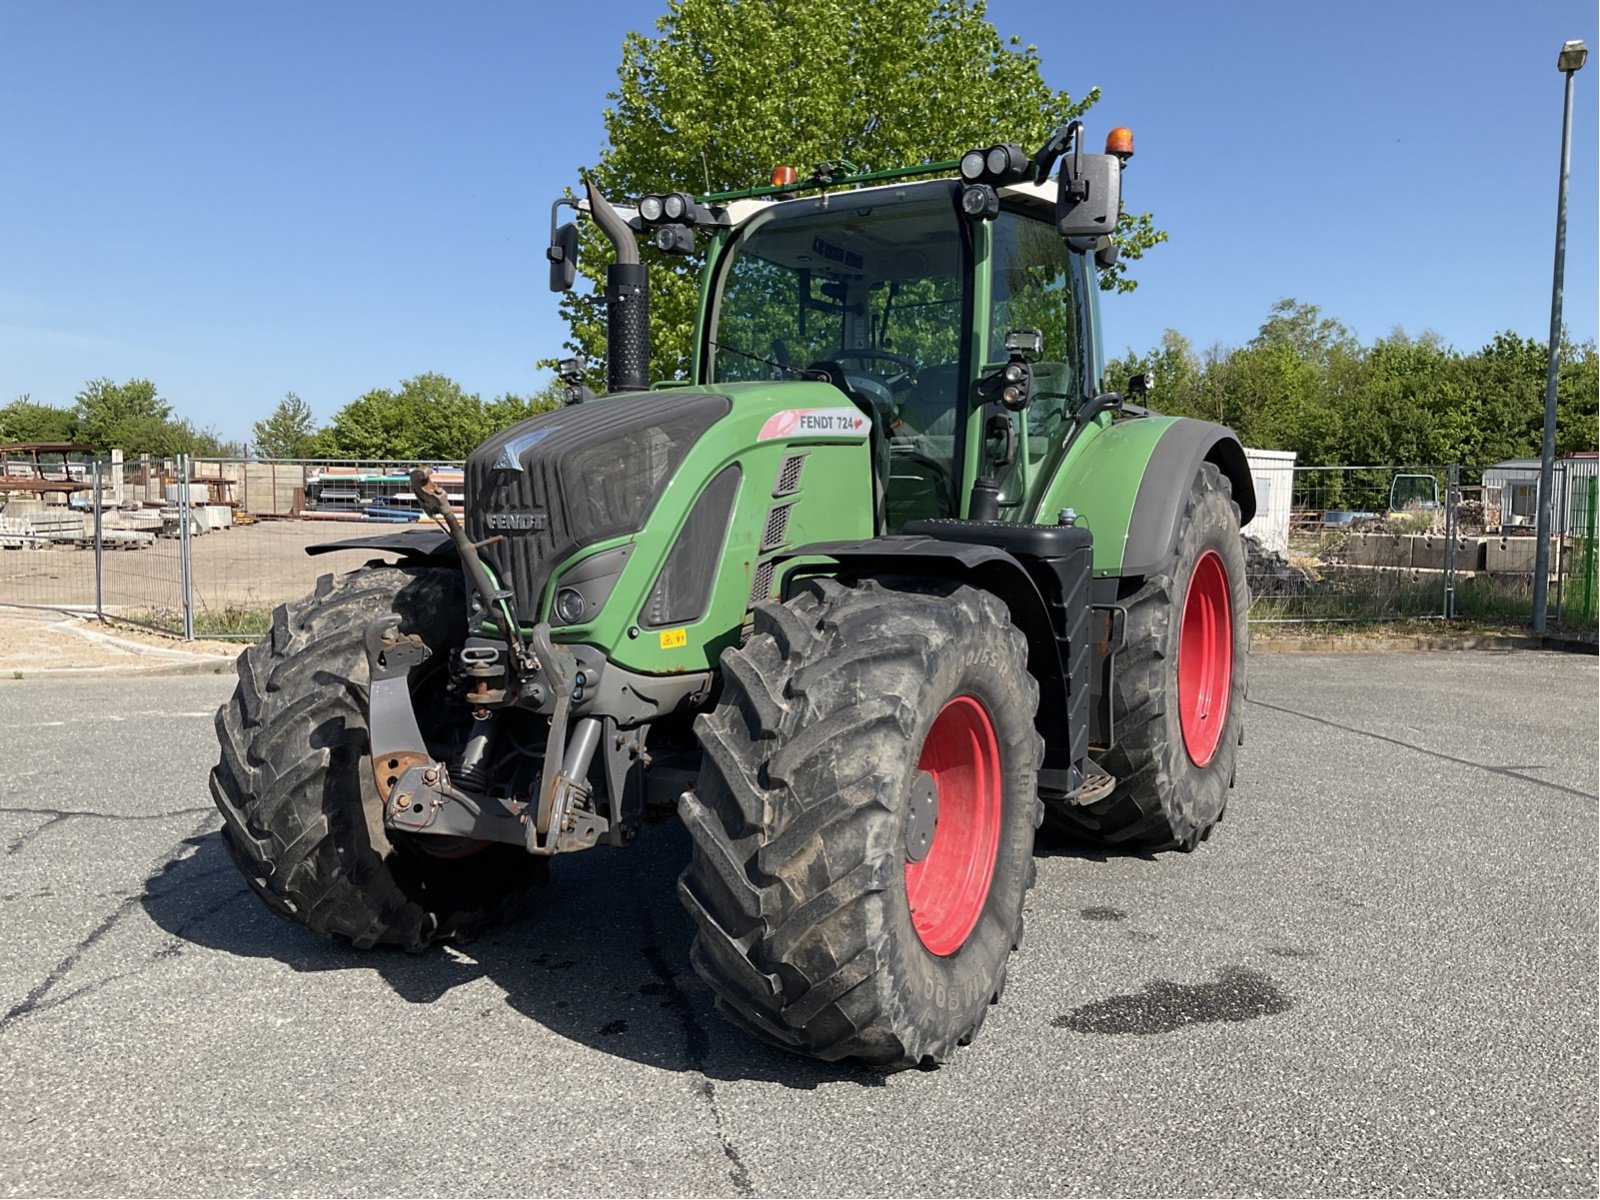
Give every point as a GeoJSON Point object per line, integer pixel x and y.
{"type": "Point", "coordinates": [948, 888]}
{"type": "Point", "coordinates": [1205, 658]}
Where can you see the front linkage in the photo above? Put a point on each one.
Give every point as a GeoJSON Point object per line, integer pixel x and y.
{"type": "Point", "coordinates": [418, 793]}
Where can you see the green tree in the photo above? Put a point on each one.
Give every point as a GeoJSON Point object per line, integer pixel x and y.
{"type": "Point", "coordinates": [428, 417]}
{"type": "Point", "coordinates": [127, 416]}
{"type": "Point", "coordinates": [511, 408]}
{"type": "Point", "coordinates": [728, 90]}
{"type": "Point", "coordinates": [207, 442]}
{"type": "Point", "coordinates": [24, 421]}
{"type": "Point", "coordinates": [290, 432]}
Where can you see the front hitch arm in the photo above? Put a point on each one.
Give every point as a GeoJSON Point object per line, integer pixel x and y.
{"type": "Point", "coordinates": [417, 792]}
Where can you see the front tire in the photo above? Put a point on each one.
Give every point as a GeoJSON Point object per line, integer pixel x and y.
{"type": "Point", "coordinates": [835, 917]}
{"type": "Point", "coordinates": [1179, 688]}
{"type": "Point", "coordinates": [301, 813]}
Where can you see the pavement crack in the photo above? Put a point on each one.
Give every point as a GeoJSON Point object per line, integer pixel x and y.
{"type": "Point", "coordinates": [17, 844]}
{"type": "Point", "coordinates": [38, 998]}
{"type": "Point", "coordinates": [1508, 772]}
{"type": "Point", "coordinates": [697, 1046]}
{"type": "Point", "coordinates": [33, 1002]}
{"type": "Point", "coordinates": [57, 815]}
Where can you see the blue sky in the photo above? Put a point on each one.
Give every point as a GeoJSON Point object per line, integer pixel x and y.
{"type": "Point", "coordinates": [236, 201]}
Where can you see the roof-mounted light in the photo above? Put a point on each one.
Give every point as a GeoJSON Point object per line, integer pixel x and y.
{"type": "Point", "coordinates": [783, 176]}
{"type": "Point", "coordinates": [1120, 143]}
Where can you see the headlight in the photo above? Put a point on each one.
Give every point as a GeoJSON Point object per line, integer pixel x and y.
{"type": "Point", "coordinates": [674, 206]}
{"type": "Point", "coordinates": [650, 208]}
{"type": "Point", "coordinates": [980, 202]}
{"type": "Point", "coordinates": [569, 605]}
{"type": "Point", "coordinates": [972, 165]}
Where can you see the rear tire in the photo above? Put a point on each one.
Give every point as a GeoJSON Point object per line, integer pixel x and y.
{"type": "Point", "coordinates": [1178, 697]}
{"type": "Point", "coordinates": [844, 701]}
{"type": "Point", "coordinates": [300, 808]}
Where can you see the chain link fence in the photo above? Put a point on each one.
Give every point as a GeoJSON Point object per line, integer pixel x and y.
{"type": "Point", "coordinates": [208, 547]}
{"type": "Point", "coordinates": [1384, 543]}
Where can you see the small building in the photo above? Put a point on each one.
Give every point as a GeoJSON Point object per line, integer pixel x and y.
{"type": "Point", "coordinates": [1513, 487]}
{"type": "Point", "coordinates": [1273, 474]}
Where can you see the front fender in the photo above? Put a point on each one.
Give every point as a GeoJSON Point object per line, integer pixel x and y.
{"type": "Point", "coordinates": [1127, 481]}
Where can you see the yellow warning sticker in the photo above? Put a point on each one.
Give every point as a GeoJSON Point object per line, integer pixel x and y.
{"type": "Point", "coordinates": [674, 639]}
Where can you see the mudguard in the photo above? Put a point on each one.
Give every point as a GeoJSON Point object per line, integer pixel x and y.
{"type": "Point", "coordinates": [422, 545]}
{"type": "Point", "coordinates": [1127, 481]}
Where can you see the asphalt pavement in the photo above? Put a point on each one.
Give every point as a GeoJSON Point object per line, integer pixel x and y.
{"type": "Point", "coordinates": [1379, 978]}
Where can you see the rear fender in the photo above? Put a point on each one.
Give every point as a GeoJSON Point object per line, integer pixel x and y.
{"type": "Point", "coordinates": [1128, 481]}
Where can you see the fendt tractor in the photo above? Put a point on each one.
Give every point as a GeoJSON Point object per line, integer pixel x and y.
{"type": "Point", "coordinates": [889, 580]}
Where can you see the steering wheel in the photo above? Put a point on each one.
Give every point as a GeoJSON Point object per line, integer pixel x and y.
{"type": "Point", "coordinates": [862, 354]}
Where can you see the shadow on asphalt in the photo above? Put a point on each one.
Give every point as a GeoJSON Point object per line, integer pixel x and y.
{"type": "Point", "coordinates": [600, 956]}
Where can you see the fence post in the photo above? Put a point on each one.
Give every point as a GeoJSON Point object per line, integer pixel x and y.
{"type": "Point", "coordinates": [185, 548]}
{"type": "Point", "coordinates": [1589, 550]}
{"type": "Point", "coordinates": [1558, 526]}
{"type": "Point", "coordinates": [99, 546]}
{"type": "Point", "coordinates": [1452, 527]}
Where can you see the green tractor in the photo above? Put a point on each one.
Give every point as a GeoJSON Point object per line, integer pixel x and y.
{"type": "Point", "coordinates": [887, 582]}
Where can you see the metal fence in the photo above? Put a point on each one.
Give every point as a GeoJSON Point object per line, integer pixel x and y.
{"type": "Point", "coordinates": [208, 547]}
{"type": "Point", "coordinates": [1383, 543]}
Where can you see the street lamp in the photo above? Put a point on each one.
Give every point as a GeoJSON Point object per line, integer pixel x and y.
{"type": "Point", "coordinates": [1569, 63]}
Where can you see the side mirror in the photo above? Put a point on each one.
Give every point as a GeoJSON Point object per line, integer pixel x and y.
{"type": "Point", "coordinates": [563, 256]}
{"type": "Point", "coordinates": [1090, 197]}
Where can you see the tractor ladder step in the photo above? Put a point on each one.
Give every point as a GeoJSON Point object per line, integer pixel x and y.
{"type": "Point", "coordinates": [1096, 787]}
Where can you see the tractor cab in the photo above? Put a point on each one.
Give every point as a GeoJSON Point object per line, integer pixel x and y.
{"type": "Point", "coordinates": [904, 302]}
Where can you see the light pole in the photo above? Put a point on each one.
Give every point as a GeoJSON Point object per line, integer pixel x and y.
{"type": "Point", "coordinates": [1569, 63]}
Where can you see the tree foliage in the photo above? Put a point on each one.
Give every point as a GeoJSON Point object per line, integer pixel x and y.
{"type": "Point", "coordinates": [1305, 383]}
{"type": "Point", "coordinates": [428, 418]}
{"type": "Point", "coordinates": [727, 90]}
{"type": "Point", "coordinates": [128, 416]}
{"type": "Point", "coordinates": [25, 421]}
{"type": "Point", "coordinates": [290, 432]}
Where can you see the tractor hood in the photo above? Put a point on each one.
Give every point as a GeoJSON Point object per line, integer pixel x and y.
{"type": "Point", "coordinates": [555, 483]}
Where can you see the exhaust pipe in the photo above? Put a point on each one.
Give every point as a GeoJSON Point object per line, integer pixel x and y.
{"type": "Point", "coordinates": [627, 301]}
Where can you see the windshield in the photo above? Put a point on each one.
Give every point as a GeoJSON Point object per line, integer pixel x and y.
{"type": "Point", "coordinates": [875, 287]}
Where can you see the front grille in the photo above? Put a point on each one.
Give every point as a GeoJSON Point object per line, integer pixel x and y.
{"type": "Point", "coordinates": [589, 472]}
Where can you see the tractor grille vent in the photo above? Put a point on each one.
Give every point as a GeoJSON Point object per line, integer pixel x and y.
{"type": "Point", "coordinates": [777, 527]}
{"type": "Point", "coordinates": [761, 589]}
{"type": "Point", "coordinates": [789, 475]}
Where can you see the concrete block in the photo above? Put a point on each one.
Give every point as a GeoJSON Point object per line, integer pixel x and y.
{"type": "Point", "coordinates": [1514, 555]}
{"type": "Point", "coordinates": [1378, 550]}
{"type": "Point", "coordinates": [1429, 551]}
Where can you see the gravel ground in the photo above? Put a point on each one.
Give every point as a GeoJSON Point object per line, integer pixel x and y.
{"type": "Point", "coordinates": [1379, 978]}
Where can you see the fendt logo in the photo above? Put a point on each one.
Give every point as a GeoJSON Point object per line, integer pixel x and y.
{"type": "Point", "coordinates": [516, 522]}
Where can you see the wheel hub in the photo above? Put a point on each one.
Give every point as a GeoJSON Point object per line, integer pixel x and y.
{"type": "Point", "coordinates": [948, 887]}
{"type": "Point", "coordinates": [922, 817]}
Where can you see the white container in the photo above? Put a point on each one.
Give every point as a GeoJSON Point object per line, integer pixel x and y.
{"type": "Point", "coordinates": [1273, 474]}
{"type": "Point", "coordinates": [199, 494]}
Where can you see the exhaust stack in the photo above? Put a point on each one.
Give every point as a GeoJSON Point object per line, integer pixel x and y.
{"type": "Point", "coordinates": [627, 302]}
